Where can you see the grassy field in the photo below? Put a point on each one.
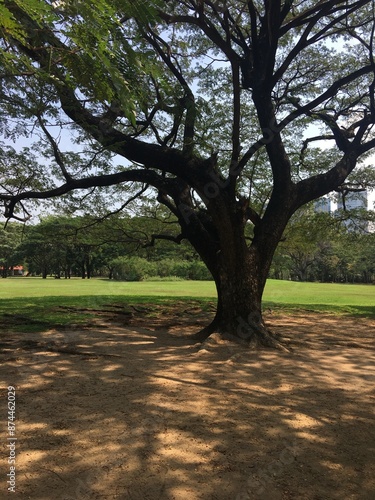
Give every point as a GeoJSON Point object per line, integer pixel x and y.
{"type": "Point", "coordinates": [38, 303]}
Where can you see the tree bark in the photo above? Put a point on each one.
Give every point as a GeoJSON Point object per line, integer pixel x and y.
{"type": "Point", "coordinates": [83, 269]}
{"type": "Point", "coordinates": [239, 305]}
{"type": "Point", "coordinates": [240, 272]}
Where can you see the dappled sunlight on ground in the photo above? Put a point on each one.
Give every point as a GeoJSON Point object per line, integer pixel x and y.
{"type": "Point", "coordinates": [138, 412]}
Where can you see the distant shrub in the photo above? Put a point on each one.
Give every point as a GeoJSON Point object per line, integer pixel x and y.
{"type": "Point", "coordinates": [183, 269]}
{"type": "Point", "coordinates": [139, 269]}
{"type": "Point", "coordinates": [164, 278]}
{"type": "Point", "coordinates": [166, 267]}
{"type": "Point", "coordinates": [198, 271]}
{"type": "Point", "coordinates": [132, 268]}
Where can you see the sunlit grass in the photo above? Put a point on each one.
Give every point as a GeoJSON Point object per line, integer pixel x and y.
{"type": "Point", "coordinates": [329, 297]}
{"type": "Point", "coordinates": [36, 287]}
{"type": "Point", "coordinates": [33, 304]}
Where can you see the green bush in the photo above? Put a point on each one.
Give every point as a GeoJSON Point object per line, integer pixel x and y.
{"type": "Point", "coordinates": [164, 278]}
{"type": "Point", "coordinates": [198, 271]}
{"type": "Point", "coordinates": [181, 269]}
{"type": "Point", "coordinates": [166, 267]}
{"type": "Point", "coordinates": [139, 269]}
{"type": "Point", "coordinates": [133, 268]}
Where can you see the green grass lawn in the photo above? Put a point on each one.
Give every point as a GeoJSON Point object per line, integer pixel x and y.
{"type": "Point", "coordinates": [37, 302]}
{"type": "Point", "coordinates": [329, 297]}
{"type": "Point", "coordinates": [76, 287]}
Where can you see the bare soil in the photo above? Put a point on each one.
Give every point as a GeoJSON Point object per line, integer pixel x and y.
{"type": "Point", "coordinates": [127, 408]}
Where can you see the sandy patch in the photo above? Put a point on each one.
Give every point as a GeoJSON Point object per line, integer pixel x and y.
{"type": "Point", "coordinates": [134, 411]}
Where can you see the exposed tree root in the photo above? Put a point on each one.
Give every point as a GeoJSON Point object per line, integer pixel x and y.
{"type": "Point", "coordinates": [255, 337]}
{"type": "Point", "coordinates": [203, 334]}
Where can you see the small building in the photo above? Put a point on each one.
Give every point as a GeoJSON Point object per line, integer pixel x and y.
{"type": "Point", "coordinates": [13, 271]}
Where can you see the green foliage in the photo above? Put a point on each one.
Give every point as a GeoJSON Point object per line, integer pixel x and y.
{"type": "Point", "coordinates": [164, 278]}
{"type": "Point", "coordinates": [183, 269]}
{"type": "Point", "coordinates": [316, 247]}
{"type": "Point", "coordinates": [198, 271]}
{"type": "Point", "coordinates": [85, 44]}
{"type": "Point", "coordinates": [320, 247]}
{"type": "Point", "coordinates": [126, 63]}
{"type": "Point", "coordinates": [10, 25]}
{"type": "Point", "coordinates": [132, 268]}
{"type": "Point", "coordinates": [10, 239]}
{"type": "Point", "coordinates": [20, 170]}
{"type": "Point", "coordinates": [139, 269]}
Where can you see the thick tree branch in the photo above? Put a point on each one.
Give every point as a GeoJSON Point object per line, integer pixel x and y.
{"type": "Point", "coordinates": [102, 129]}
{"type": "Point", "coordinates": [165, 237]}
{"type": "Point", "coordinates": [305, 42]}
{"type": "Point", "coordinates": [279, 160]}
{"type": "Point", "coordinates": [339, 135]}
{"type": "Point", "coordinates": [166, 201]}
{"type": "Point", "coordinates": [192, 168]}
{"type": "Point", "coordinates": [236, 124]}
{"type": "Point", "coordinates": [313, 14]}
{"type": "Point", "coordinates": [367, 146]}
{"type": "Point", "coordinates": [318, 185]}
{"type": "Point", "coordinates": [134, 175]}
{"type": "Point", "coordinates": [329, 93]}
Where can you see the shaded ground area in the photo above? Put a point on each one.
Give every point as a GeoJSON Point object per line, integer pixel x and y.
{"type": "Point", "coordinates": [127, 409]}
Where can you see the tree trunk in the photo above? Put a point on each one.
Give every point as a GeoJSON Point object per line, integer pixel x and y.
{"type": "Point", "coordinates": [240, 271]}
{"type": "Point", "coordinates": [83, 269]}
{"type": "Point", "coordinates": [88, 266]}
{"type": "Point", "coordinates": [239, 310]}
{"type": "Point", "coordinates": [4, 270]}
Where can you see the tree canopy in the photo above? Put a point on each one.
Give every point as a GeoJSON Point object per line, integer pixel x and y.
{"type": "Point", "coordinates": [216, 108]}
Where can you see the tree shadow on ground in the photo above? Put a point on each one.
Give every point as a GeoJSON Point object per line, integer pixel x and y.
{"type": "Point", "coordinates": [138, 413]}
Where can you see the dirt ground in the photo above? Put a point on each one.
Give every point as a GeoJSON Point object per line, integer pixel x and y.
{"type": "Point", "coordinates": [127, 408]}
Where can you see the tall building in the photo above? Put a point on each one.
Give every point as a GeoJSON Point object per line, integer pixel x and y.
{"type": "Point", "coordinates": [352, 202]}
{"type": "Point", "coordinates": [323, 205]}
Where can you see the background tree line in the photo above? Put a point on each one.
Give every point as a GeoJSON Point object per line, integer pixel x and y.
{"type": "Point", "coordinates": [116, 248]}
{"type": "Point", "coordinates": [328, 248]}
{"type": "Point", "coordinates": [315, 247]}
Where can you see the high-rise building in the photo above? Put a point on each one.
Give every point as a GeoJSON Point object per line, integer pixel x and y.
{"type": "Point", "coordinates": [350, 203]}
{"type": "Point", "coordinates": [353, 200]}
{"type": "Point", "coordinates": [323, 205]}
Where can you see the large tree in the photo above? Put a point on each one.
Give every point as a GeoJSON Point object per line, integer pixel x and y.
{"type": "Point", "coordinates": [215, 105]}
